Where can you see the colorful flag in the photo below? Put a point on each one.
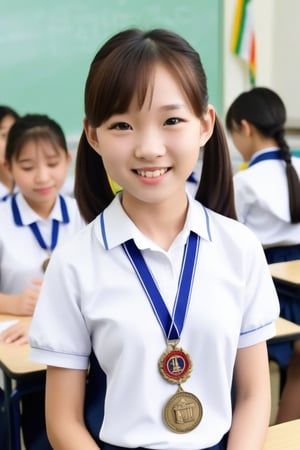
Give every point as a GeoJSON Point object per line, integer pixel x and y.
{"type": "Point", "coordinates": [243, 38]}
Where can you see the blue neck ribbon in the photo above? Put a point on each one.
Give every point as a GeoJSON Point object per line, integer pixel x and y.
{"type": "Point", "coordinates": [171, 325]}
{"type": "Point", "coordinates": [34, 227]}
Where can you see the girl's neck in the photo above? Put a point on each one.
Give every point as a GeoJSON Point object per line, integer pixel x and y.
{"type": "Point", "coordinates": [41, 209]}
{"type": "Point", "coordinates": [161, 222]}
{"type": "Point", "coordinates": [262, 143]}
{"type": "Point", "coordinates": [6, 179]}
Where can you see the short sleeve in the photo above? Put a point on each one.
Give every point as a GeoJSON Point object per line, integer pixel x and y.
{"type": "Point", "coordinates": [58, 333]}
{"type": "Point", "coordinates": [261, 304]}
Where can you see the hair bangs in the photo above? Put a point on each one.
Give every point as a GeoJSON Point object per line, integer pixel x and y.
{"type": "Point", "coordinates": [38, 134]}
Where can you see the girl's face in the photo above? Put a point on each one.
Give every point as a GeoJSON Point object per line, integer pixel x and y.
{"type": "Point", "coordinates": [151, 151]}
{"type": "Point", "coordinates": [40, 171]}
{"type": "Point", "coordinates": [5, 125]}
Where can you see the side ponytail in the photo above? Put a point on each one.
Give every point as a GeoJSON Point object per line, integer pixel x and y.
{"type": "Point", "coordinates": [216, 187]}
{"type": "Point", "coordinates": [92, 189]}
{"type": "Point", "coordinates": [292, 178]}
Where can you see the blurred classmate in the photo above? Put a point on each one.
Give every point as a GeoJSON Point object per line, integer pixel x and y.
{"type": "Point", "coordinates": [8, 116]}
{"type": "Point", "coordinates": [160, 288]}
{"type": "Point", "coordinates": [267, 198]}
{"type": "Point", "coordinates": [35, 220]}
{"type": "Point", "coordinates": [266, 193]}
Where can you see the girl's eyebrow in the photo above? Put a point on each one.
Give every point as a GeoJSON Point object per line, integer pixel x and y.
{"type": "Point", "coordinates": [173, 106]}
{"type": "Point", "coordinates": [21, 160]}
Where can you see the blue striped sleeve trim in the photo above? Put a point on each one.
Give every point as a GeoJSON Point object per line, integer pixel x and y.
{"type": "Point", "coordinates": [258, 328]}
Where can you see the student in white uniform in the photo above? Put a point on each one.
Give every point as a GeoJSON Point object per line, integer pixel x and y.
{"type": "Point", "coordinates": [34, 221]}
{"type": "Point", "coordinates": [8, 116]}
{"type": "Point", "coordinates": [267, 193]}
{"type": "Point", "coordinates": [159, 290]}
{"type": "Point", "coordinates": [267, 198]}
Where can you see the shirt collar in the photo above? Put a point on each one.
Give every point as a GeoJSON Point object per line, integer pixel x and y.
{"type": "Point", "coordinates": [114, 227]}
{"type": "Point", "coordinates": [28, 215]}
{"type": "Point", "coordinates": [264, 150]}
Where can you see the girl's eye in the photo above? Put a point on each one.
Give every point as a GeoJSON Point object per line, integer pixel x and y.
{"type": "Point", "coordinates": [173, 121]}
{"type": "Point", "coordinates": [123, 126]}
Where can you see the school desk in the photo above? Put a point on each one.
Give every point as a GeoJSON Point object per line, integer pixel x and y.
{"type": "Point", "coordinates": [286, 278]}
{"type": "Point", "coordinates": [285, 436]}
{"type": "Point", "coordinates": [287, 272]}
{"type": "Point", "coordinates": [20, 376]}
{"type": "Point", "coordinates": [285, 331]}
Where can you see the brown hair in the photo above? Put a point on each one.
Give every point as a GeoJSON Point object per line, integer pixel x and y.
{"type": "Point", "coordinates": [122, 68]}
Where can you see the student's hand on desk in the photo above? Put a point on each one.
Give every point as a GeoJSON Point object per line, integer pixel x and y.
{"type": "Point", "coordinates": [26, 301]}
{"type": "Point", "coordinates": [18, 333]}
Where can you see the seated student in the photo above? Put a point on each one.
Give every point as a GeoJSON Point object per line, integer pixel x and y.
{"type": "Point", "coordinates": [8, 116]}
{"type": "Point", "coordinates": [34, 221]}
{"type": "Point", "coordinates": [267, 198]}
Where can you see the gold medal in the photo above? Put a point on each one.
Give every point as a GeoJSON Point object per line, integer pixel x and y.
{"type": "Point", "coordinates": [183, 412]}
{"type": "Point", "coordinates": [45, 264]}
{"type": "Point", "coordinates": [175, 365]}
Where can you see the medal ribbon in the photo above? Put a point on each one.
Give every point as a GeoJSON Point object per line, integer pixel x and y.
{"type": "Point", "coordinates": [274, 154]}
{"type": "Point", "coordinates": [34, 227]}
{"type": "Point", "coordinates": [171, 325]}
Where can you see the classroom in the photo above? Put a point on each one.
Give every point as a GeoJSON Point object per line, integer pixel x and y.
{"type": "Point", "coordinates": [46, 49]}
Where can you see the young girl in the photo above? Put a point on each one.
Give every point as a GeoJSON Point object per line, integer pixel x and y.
{"type": "Point", "coordinates": [161, 292]}
{"type": "Point", "coordinates": [268, 202]}
{"type": "Point", "coordinates": [33, 223]}
{"type": "Point", "coordinates": [267, 194]}
{"type": "Point", "coordinates": [35, 220]}
{"type": "Point", "coordinates": [8, 116]}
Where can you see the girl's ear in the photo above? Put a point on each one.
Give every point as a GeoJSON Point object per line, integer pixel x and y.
{"type": "Point", "coordinates": [91, 135]}
{"type": "Point", "coordinates": [246, 128]}
{"type": "Point", "coordinates": [7, 165]}
{"type": "Point", "coordinates": [69, 158]}
{"type": "Point", "coordinates": [207, 125]}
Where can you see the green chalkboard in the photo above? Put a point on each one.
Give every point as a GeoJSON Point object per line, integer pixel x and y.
{"type": "Point", "coordinates": [46, 47]}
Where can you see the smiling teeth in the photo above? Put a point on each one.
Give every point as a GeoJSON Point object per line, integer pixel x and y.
{"type": "Point", "coordinates": [151, 173]}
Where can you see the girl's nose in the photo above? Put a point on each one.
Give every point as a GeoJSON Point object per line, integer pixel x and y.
{"type": "Point", "coordinates": [149, 146]}
{"type": "Point", "coordinates": [41, 173]}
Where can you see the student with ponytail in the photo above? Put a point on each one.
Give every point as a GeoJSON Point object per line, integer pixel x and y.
{"type": "Point", "coordinates": [160, 288]}
{"type": "Point", "coordinates": [267, 199]}
{"type": "Point", "coordinates": [267, 194]}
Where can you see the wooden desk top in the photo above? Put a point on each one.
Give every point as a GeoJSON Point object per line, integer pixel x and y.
{"type": "Point", "coordinates": [285, 331]}
{"type": "Point", "coordinates": [14, 358]}
{"type": "Point", "coordinates": [285, 436]}
{"type": "Point", "coordinates": [288, 271]}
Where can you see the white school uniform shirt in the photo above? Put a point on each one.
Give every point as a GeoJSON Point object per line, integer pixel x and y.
{"type": "Point", "coordinates": [262, 201]}
{"type": "Point", "coordinates": [21, 256]}
{"type": "Point", "coordinates": [91, 282]}
{"type": "Point", "coordinates": [5, 193]}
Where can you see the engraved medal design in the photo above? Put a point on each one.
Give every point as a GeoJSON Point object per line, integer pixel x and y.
{"type": "Point", "coordinates": [183, 412]}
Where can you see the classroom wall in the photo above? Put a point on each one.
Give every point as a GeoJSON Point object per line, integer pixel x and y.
{"type": "Point", "coordinates": [278, 63]}
{"type": "Point", "coordinates": [46, 47]}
